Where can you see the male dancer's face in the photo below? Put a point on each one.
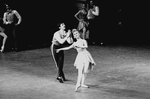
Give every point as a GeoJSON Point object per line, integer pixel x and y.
{"type": "Point", "coordinates": [62, 26]}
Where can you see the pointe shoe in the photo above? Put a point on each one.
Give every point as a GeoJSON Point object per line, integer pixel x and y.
{"type": "Point", "coordinates": [2, 49]}
{"type": "Point", "coordinates": [85, 86]}
{"type": "Point", "coordinates": [77, 87]}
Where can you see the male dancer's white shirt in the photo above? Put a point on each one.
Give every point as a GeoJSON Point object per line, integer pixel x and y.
{"type": "Point", "coordinates": [60, 39]}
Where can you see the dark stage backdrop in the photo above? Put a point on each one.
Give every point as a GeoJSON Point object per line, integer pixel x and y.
{"type": "Point", "coordinates": [119, 22]}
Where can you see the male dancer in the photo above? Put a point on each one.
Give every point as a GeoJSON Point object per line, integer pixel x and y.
{"type": "Point", "coordinates": [11, 18]}
{"type": "Point", "coordinates": [93, 13]}
{"type": "Point", "coordinates": [59, 38]}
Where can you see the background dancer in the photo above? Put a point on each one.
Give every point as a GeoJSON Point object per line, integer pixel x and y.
{"type": "Point", "coordinates": [58, 41]}
{"type": "Point", "coordinates": [93, 10]}
{"type": "Point", "coordinates": [11, 18]}
{"type": "Point", "coordinates": [83, 23]}
{"type": "Point", "coordinates": [93, 13]}
{"type": "Point", "coordinates": [2, 33]}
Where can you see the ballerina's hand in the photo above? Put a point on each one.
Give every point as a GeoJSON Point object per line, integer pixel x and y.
{"type": "Point", "coordinates": [57, 51]}
{"type": "Point", "coordinates": [76, 46]}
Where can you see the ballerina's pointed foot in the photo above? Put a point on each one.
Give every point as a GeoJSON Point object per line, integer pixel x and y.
{"type": "Point", "coordinates": [77, 87]}
{"type": "Point", "coordinates": [85, 86]}
{"type": "Point", "coordinates": [2, 49]}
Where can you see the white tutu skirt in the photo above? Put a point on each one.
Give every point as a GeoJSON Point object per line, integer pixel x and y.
{"type": "Point", "coordinates": [84, 61]}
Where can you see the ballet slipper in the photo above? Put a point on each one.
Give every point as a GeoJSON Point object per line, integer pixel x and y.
{"type": "Point", "coordinates": [2, 48]}
{"type": "Point", "coordinates": [85, 86]}
{"type": "Point", "coordinates": [77, 87]}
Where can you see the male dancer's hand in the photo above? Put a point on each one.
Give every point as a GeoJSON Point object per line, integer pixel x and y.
{"type": "Point", "coordinates": [68, 33]}
{"type": "Point", "coordinates": [69, 38]}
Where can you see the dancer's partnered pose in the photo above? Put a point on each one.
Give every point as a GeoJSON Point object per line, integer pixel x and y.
{"type": "Point", "coordinates": [11, 18]}
{"type": "Point", "coordinates": [84, 61]}
{"type": "Point", "coordinates": [59, 38]}
{"type": "Point", "coordinates": [4, 39]}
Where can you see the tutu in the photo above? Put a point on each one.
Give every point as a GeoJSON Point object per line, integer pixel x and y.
{"type": "Point", "coordinates": [84, 60]}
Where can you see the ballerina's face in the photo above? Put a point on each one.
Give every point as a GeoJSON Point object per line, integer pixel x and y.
{"type": "Point", "coordinates": [76, 34]}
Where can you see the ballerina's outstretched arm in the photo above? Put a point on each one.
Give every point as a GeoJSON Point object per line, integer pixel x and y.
{"type": "Point", "coordinates": [65, 48]}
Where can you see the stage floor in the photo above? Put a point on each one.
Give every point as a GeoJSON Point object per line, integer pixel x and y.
{"type": "Point", "coordinates": [120, 73]}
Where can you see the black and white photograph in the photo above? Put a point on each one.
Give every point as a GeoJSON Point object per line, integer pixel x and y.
{"type": "Point", "coordinates": [74, 49]}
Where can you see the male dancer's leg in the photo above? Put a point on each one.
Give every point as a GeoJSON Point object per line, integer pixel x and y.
{"type": "Point", "coordinates": [61, 65]}
{"type": "Point", "coordinates": [58, 57]}
{"type": "Point", "coordinates": [10, 35]}
{"type": "Point", "coordinates": [14, 39]}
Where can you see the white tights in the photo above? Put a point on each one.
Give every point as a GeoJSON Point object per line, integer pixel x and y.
{"type": "Point", "coordinates": [4, 40]}
{"type": "Point", "coordinates": [81, 77]}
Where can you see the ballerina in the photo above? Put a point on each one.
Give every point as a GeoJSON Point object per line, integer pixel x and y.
{"type": "Point", "coordinates": [84, 61]}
